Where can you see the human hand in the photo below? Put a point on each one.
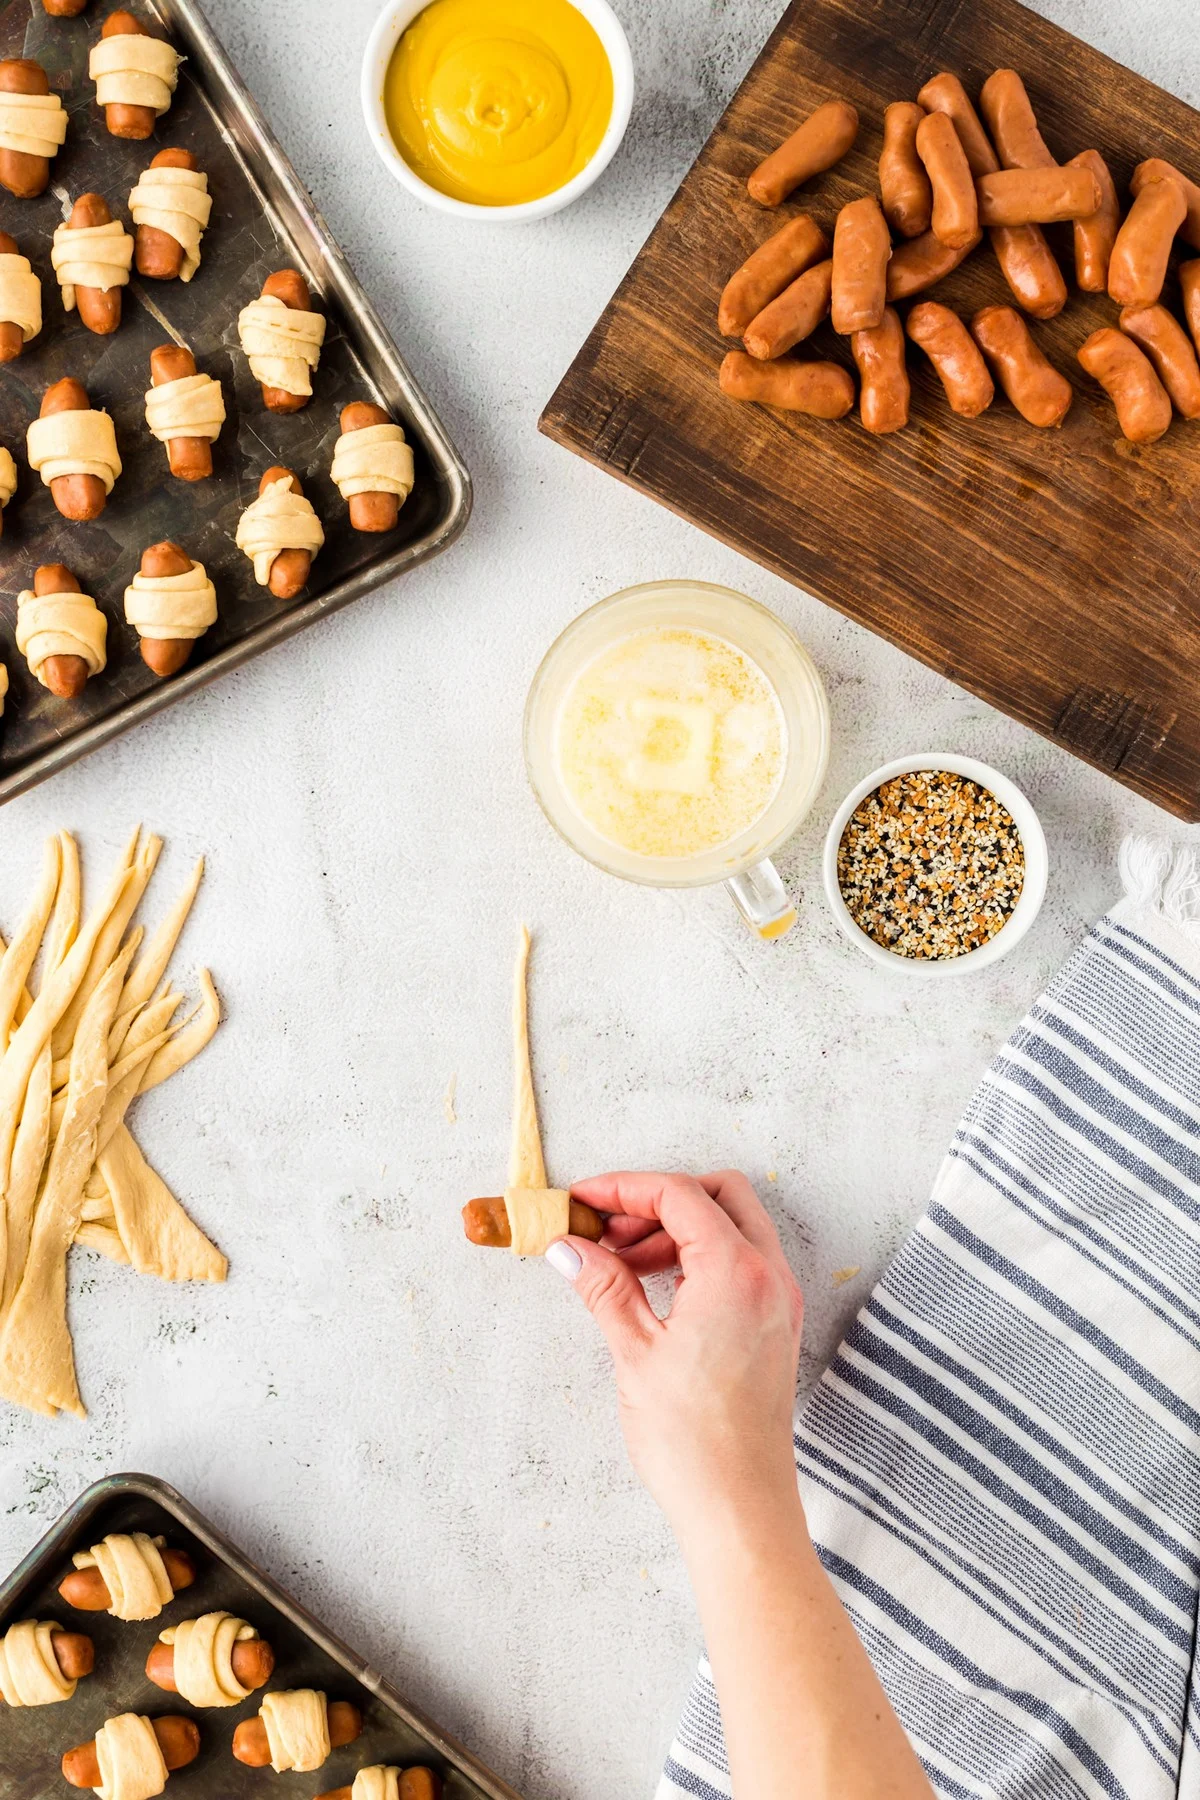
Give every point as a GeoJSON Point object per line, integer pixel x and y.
{"type": "Point", "coordinates": [706, 1394]}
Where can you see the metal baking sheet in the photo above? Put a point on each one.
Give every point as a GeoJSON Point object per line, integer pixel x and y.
{"type": "Point", "coordinates": [262, 220]}
{"type": "Point", "coordinates": [33, 1739]}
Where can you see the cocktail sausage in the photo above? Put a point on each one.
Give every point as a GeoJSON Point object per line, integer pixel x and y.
{"type": "Point", "coordinates": [1126, 374]}
{"type": "Point", "coordinates": [1040, 394]}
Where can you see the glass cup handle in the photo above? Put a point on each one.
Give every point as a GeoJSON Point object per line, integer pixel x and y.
{"type": "Point", "coordinates": [762, 900]}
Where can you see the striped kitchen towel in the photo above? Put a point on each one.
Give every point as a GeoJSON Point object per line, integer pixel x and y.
{"type": "Point", "coordinates": [1001, 1467]}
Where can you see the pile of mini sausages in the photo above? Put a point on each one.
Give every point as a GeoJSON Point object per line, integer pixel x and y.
{"type": "Point", "coordinates": [944, 180]}
{"type": "Point", "coordinates": [64, 642]}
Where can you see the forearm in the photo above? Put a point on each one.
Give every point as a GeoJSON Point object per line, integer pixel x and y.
{"type": "Point", "coordinates": [804, 1714]}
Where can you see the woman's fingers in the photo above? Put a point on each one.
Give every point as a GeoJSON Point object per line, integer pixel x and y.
{"type": "Point", "coordinates": [611, 1292]}
{"type": "Point", "coordinates": [623, 1229]}
{"type": "Point", "coordinates": [654, 1255]}
{"type": "Point", "coordinates": [737, 1197]}
{"type": "Point", "coordinates": [678, 1203]}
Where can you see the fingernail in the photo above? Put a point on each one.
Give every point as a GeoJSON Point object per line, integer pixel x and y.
{"type": "Point", "coordinates": [563, 1257]}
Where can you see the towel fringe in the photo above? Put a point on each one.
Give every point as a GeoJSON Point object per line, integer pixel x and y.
{"type": "Point", "coordinates": [1165, 877]}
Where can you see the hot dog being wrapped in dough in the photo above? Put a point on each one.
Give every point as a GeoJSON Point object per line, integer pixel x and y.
{"type": "Point", "coordinates": [280, 533]}
{"type": "Point", "coordinates": [372, 466]}
{"type": "Point", "coordinates": [40, 1664]}
{"type": "Point", "coordinates": [170, 207]}
{"type": "Point", "coordinates": [215, 1660]}
{"type": "Point", "coordinates": [282, 337]}
{"type": "Point", "coordinates": [135, 75]}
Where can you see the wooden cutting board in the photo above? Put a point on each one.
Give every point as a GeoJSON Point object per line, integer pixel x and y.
{"type": "Point", "coordinates": [1056, 574]}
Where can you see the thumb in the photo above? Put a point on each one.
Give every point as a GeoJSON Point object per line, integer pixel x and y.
{"type": "Point", "coordinates": [609, 1289]}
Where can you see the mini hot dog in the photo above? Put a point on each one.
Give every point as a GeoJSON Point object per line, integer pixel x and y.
{"type": "Point", "coordinates": [1012, 123]}
{"type": "Point", "coordinates": [168, 613]}
{"type": "Point", "coordinates": [20, 300]}
{"type": "Point", "coordinates": [1157, 169]}
{"type": "Point", "coordinates": [412, 1784]}
{"type": "Point", "coordinates": [1026, 260]}
{"type": "Point", "coordinates": [955, 356]}
{"type": "Point", "coordinates": [955, 204]}
{"type": "Point", "coordinates": [486, 1222]}
{"type": "Point", "coordinates": [178, 1739]}
{"type": "Point", "coordinates": [111, 255]}
{"type": "Point", "coordinates": [86, 1590]}
{"type": "Point", "coordinates": [252, 1661]}
{"type": "Point", "coordinates": [821, 141]}
{"type": "Point", "coordinates": [884, 390]}
{"type": "Point", "coordinates": [1040, 394]}
{"type": "Point", "coordinates": [74, 1657]}
{"type": "Point", "coordinates": [1166, 343]}
{"type": "Point", "coordinates": [1096, 234]}
{"type": "Point", "coordinates": [26, 173]}
{"type": "Point", "coordinates": [823, 389]}
{"type": "Point", "coordinates": [252, 1746]}
{"type": "Point", "coordinates": [904, 186]}
{"type": "Point", "coordinates": [1137, 268]}
{"type": "Point", "coordinates": [158, 254]}
{"type": "Point", "coordinates": [273, 346]}
{"type": "Point", "coordinates": [1189, 283]}
{"type": "Point", "coordinates": [63, 639]}
{"type": "Point", "coordinates": [920, 263]}
{"type": "Point", "coordinates": [80, 495]}
{"type": "Point", "coordinates": [267, 525]}
{"type": "Point", "coordinates": [1126, 374]}
{"type": "Point", "coordinates": [190, 458]}
{"type": "Point", "coordinates": [1038, 196]}
{"type": "Point", "coordinates": [124, 119]}
{"type": "Point", "coordinates": [372, 466]}
{"type": "Point", "coordinates": [793, 316]}
{"type": "Point", "coordinates": [862, 247]}
{"type": "Point", "coordinates": [768, 271]}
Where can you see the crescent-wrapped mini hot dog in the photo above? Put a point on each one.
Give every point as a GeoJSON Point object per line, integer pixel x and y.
{"type": "Point", "coordinates": [1156, 168]}
{"type": "Point", "coordinates": [380, 1782]}
{"type": "Point", "coordinates": [41, 1665]}
{"type": "Point", "coordinates": [1012, 122]}
{"type": "Point", "coordinates": [821, 141]}
{"type": "Point", "coordinates": [170, 603]}
{"type": "Point", "coordinates": [1040, 394]}
{"type": "Point", "coordinates": [955, 356]}
{"type": "Point", "coordinates": [73, 447]}
{"type": "Point", "coordinates": [1166, 343]}
{"type": "Point", "coordinates": [372, 466]}
{"type": "Point", "coordinates": [135, 75]}
{"type": "Point", "coordinates": [215, 1660]}
{"type": "Point", "coordinates": [768, 271]}
{"type": "Point", "coordinates": [170, 208]}
{"type": "Point", "coordinates": [282, 337]}
{"type": "Point", "coordinates": [132, 1755]}
{"type": "Point", "coordinates": [129, 1574]}
{"type": "Point", "coordinates": [793, 316]}
{"type": "Point", "coordinates": [184, 410]}
{"type": "Point", "coordinates": [62, 635]}
{"type": "Point", "coordinates": [823, 389]}
{"type": "Point", "coordinates": [295, 1729]}
{"type": "Point", "coordinates": [33, 127]}
{"type": "Point", "coordinates": [1126, 374]}
{"type": "Point", "coordinates": [92, 254]}
{"type": "Point", "coordinates": [884, 389]}
{"type": "Point", "coordinates": [280, 533]}
{"type": "Point", "coordinates": [486, 1221]}
{"type": "Point", "coordinates": [1096, 234]}
{"type": "Point", "coordinates": [1137, 268]}
{"type": "Point", "coordinates": [1038, 196]}
{"type": "Point", "coordinates": [20, 300]}
{"type": "Point", "coordinates": [862, 247]}
{"type": "Point", "coordinates": [955, 203]}
{"type": "Point", "coordinates": [904, 188]}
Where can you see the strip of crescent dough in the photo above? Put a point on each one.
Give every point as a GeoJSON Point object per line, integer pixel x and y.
{"type": "Point", "coordinates": [281, 344]}
{"type": "Point", "coordinates": [374, 460]}
{"type": "Point", "coordinates": [30, 1148]}
{"type": "Point", "coordinates": [526, 1165]}
{"type": "Point", "coordinates": [197, 1031]}
{"type": "Point", "coordinates": [158, 1236]}
{"type": "Point", "coordinates": [124, 1075]}
{"type": "Point", "coordinates": [34, 124]}
{"type": "Point", "coordinates": [142, 859]}
{"type": "Point", "coordinates": [74, 443]}
{"type": "Point", "coordinates": [297, 1723]}
{"type": "Point", "coordinates": [379, 1782]}
{"type": "Point", "coordinates": [60, 625]}
{"type": "Point", "coordinates": [151, 965]}
{"type": "Point", "coordinates": [131, 1761]}
{"type": "Point", "coordinates": [134, 70]}
{"type": "Point", "coordinates": [18, 958]}
{"type": "Point", "coordinates": [64, 926]}
{"type": "Point", "coordinates": [20, 294]}
{"type": "Point", "coordinates": [134, 1573]}
{"type": "Point", "coordinates": [29, 1671]}
{"type": "Point", "coordinates": [193, 406]}
{"type": "Point", "coordinates": [178, 202]}
{"type": "Point", "coordinates": [91, 256]}
{"type": "Point", "coordinates": [102, 1235]}
{"type": "Point", "coordinates": [203, 1670]}
{"type": "Point", "coordinates": [280, 519]}
{"type": "Point", "coordinates": [37, 1360]}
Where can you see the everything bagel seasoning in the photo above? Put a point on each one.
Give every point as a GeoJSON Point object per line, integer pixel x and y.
{"type": "Point", "coordinates": [931, 865]}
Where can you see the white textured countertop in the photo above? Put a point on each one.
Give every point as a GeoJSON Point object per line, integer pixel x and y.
{"type": "Point", "coordinates": [420, 1440]}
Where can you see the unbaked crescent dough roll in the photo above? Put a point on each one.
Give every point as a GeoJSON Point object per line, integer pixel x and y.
{"type": "Point", "coordinates": [278, 520]}
{"type": "Point", "coordinates": [379, 1782]}
{"type": "Point", "coordinates": [29, 1671]}
{"type": "Point", "coordinates": [537, 1216]}
{"type": "Point", "coordinates": [91, 256]}
{"type": "Point", "coordinates": [34, 124]}
{"type": "Point", "coordinates": [193, 406]}
{"type": "Point", "coordinates": [20, 294]}
{"type": "Point", "coordinates": [282, 345]}
{"type": "Point", "coordinates": [8, 476]}
{"type": "Point", "coordinates": [203, 1670]}
{"type": "Point", "coordinates": [376, 460]}
{"type": "Point", "coordinates": [134, 1572]}
{"type": "Point", "coordinates": [172, 606]}
{"type": "Point", "coordinates": [297, 1724]}
{"type": "Point", "coordinates": [134, 70]}
{"type": "Point", "coordinates": [131, 1761]}
{"type": "Point", "coordinates": [178, 202]}
{"type": "Point", "coordinates": [62, 625]}
{"type": "Point", "coordinates": [74, 443]}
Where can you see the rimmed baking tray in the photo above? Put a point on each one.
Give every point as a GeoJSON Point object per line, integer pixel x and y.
{"type": "Point", "coordinates": [32, 1739]}
{"type": "Point", "coordinates": [262, 220]}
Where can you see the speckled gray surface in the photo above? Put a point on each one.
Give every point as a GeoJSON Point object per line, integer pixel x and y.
{"type": "Point", "coordinates": [420, 1440]}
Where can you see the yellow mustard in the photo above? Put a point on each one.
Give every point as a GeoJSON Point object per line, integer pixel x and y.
{"type": "Point", "coordinates": [498, 101]}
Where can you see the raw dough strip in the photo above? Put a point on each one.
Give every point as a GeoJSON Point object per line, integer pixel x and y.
{"type": "Point", "coordinates": [204, 1658]}
{"type": "Point", "coordinates": [172, 606]}
{"type": "Point", "coordinates": [134, 1573]}
{"type": "Point", "coordinates": [279, 519]}
{"type": "Point", "coordinates": [297, 1724]}
{"type": "Point", "coordinates": [134, 70]}
{"type": "Point", "coordinates": [29, 1671]}
{"type": "Point", "coordinates": [151, 965]}
{"type": "Point", "coordinates": [74, 443]}
{"type": "Point", "coordinates": [158, 1236]}
{"type": "Point", "coordinates": [193, 406]}
{"type": "Point", "coordinates": [376, 460]}
{"type": "Point", "coordinates": [8, 476]}
{"type": "Point", "coordinates": [90, 256]}
{"type": "Point", "coordinates": [178, 202]}
{"type": "Point", "coordinates": [197, 1031]}
{"type": "Point", "coordinates": [18, 958]}
{"type": "Point", "coordinates": [526, 1165]}
{"type": "Point", "coordinates": [282, 345]}
{"type": "Point", "coordinates": [130, 1758]}
{"type": "Point", "coordinates": [379, 1782]}
{"type": "Point", "coordinates": [34, 124]}
{"type": "Point", "coordinates": [143, 860]}
{"type": "Point", "coordinates": [60, 625]}
{"type": "Point", "coordinates": [536, 1217]}
{"type": "Point", "coordinates": [20, 294]}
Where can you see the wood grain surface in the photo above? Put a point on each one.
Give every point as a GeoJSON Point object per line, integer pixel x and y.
{"type": "Point", "coordinates": [1054, 573]}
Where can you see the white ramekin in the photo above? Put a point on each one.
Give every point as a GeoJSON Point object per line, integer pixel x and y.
{"type": "Point", "coordinates": [397, 17]}
{"type": "Point", "coordinates": [1033, 841]}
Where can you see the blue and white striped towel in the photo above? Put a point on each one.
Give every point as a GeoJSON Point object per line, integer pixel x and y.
{"type": "Point", "coordinates": [1001, 1467]}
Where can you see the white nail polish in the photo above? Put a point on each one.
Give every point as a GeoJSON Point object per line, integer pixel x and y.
{"type": "Point", "coordinates": [565, 1258]}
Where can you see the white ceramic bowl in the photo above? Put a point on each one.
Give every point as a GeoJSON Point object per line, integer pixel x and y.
{"type": "Point", "coordinates": [1033, 841]}
{"type": "Point", "coordinates": [397, 17]}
